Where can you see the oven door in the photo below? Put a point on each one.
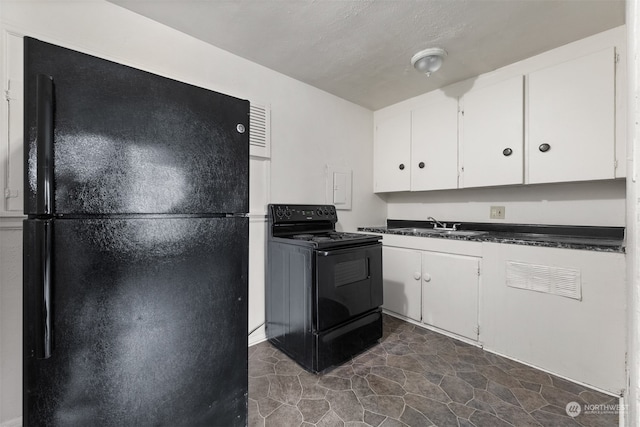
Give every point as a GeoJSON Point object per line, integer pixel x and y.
{"type": "Point", "coordinates": [348, 283]}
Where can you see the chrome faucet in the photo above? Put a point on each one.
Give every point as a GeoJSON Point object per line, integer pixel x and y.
{"type": "Point", "coordinates": [437, 223]}
{"type": "Point", "coordinates": [442, 226]}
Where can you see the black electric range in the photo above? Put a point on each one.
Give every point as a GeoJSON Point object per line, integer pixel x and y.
{"type": "Point", "coordinates": [324, 287]}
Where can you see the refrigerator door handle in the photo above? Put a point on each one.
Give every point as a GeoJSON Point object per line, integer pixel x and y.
{"type": "Point", "coordinates": [44, 144]}
{"type": "Point", "coordinates": [43, 284]}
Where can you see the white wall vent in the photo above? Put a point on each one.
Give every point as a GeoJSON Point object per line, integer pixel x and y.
{"type": "Point", "coordinates": [260, 130]}
{"type": "Point", "coordinates": [561, 281]}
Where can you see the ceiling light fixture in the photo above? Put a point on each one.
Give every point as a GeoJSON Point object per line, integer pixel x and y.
{"type": "Point", "coordinates": [429, 60]}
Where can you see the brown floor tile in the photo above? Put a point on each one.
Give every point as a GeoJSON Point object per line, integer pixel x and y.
{"type": "Point", "coordinates": [418, 378]}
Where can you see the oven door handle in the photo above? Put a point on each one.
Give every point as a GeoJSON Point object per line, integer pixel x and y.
{"type": "Point", "coordinates": [347, 250]}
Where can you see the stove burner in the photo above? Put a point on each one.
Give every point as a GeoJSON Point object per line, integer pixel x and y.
{"type": "Point", "coordinates": [303, 236]}
{"type": "Point", "coordinates": [326, 236]}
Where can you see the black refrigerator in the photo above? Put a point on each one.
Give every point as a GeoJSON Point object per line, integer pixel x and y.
{"type": "Point", "coordinates": [135, 247]}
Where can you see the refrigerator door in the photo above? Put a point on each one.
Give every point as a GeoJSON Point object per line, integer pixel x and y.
{"type": "Point", "coordinates": [149, 323]}
{"type": "Point", "coordinates": [126, 141]}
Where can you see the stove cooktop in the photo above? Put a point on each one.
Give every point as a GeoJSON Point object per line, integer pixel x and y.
{"type": "Point", "coordinates": [325, 237]}
{"type": "Point", "coordinates": [312, 225]}
{"type": "Point", "coordinates": [331, 239]}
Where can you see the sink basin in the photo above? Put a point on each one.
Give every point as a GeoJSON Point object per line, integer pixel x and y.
{"type": "Point", "coordinates": [440, 231]}
{"type": "Point", "coordinates": [460, 232]}
{"type": "Point", "coordinates": [415, 230]}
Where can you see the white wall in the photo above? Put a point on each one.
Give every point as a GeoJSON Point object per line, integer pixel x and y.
{"type": "Point", "coordinates": [10, 322]}
{"type": "Point", "coordinates": [310, 129]}
{"type": "Point", "coordinates": [597, 203]}
{"type": "Point", "coordinates": [633, 218]}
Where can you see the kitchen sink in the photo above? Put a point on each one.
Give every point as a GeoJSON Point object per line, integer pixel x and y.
{"type": "Point", "coordinates": [460, 232]}
{"type": "Point", "coordinates": [440, 231]}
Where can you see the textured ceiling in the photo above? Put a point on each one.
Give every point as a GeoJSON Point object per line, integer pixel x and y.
{"type": "Point", "coordinates": [360, 50]}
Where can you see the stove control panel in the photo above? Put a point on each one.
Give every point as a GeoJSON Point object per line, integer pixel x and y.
{"type": "Point", "coordinates": [302, 213]}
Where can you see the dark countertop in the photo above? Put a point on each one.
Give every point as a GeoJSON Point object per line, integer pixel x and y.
{"type": "Point", "coordinates": [603, 239]}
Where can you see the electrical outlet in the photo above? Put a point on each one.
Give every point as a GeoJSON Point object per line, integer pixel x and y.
{"type": "Point", "coordinates": [497, 212]}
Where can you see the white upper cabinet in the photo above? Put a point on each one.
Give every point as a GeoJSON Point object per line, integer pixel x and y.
{"type": "Point", "coordinates": [572, 120]}
{"type": "Point", "coordinates": [555, 117]}
{"type": "Point", "coordinates": [434, 144]}
{"type": "Point", "coordinates": [392, 154]}
{"type": "Point", "coordinates": [492, 137]}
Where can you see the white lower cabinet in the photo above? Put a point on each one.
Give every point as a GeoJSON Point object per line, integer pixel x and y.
{"type": "Point", "coordinates": [401, 282]}
{"type": "Point", "coordinates": [531, 312]}
{"type": "Point", "coordinates": [450, 293]}
{"type": "Point", "coordinates": [561, 310]}
{"type": "Point", "coordinates": [438, 289]}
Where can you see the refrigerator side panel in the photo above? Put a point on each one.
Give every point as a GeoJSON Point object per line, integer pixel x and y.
{"type": "Point", "coordinates": [150, 325]}
{"type": "Point", "coordinates": [128, 141]}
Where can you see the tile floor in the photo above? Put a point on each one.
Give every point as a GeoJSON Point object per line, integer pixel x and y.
{"type": "Point", "coordinates": [414, 377]}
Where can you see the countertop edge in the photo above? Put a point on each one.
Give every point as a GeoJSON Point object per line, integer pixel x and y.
{"type": "Point", "coordinates": [501, 237]}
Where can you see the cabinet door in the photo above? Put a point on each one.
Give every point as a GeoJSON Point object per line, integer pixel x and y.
{"type": "Point", "coordinates": [572, 111]}
{"type": "Point", "coordinates": [392, 151]}
{"type": "Point", "coordinates": [402, 273]}
{"type": "Point", "coordinates": [434, 144]}
{"type": "Point", "coordinates": [450, 293]}
{"type": "Point", "coordinates": [492, 140]}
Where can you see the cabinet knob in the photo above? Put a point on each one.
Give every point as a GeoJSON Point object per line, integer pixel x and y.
{"type": "Point", "coordinates": [544, 147]}
{"type": "Point", "coordinates": [421, 165]}
{"type": "Point", "coordinates": [507, 152]}
{"type": "Point", "coordinates": [427, 277]}
{"type": "Point", "coordinates": [417, 275]}
{"type": "Point", "coordinates": [401, 167]}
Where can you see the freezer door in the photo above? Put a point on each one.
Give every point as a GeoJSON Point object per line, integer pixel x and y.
{"type": "Point", "coordinates": [149, 324]}
{"type": "Point", "coordinates": [122, 140]}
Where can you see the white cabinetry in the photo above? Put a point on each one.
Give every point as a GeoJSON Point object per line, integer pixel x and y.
{"type": "Point", "coordinates": [435, 281]}
{"type": "Point", "coordinates": [492, 138]}
{"type": "Point", "coordinates": [402, 287]}
{"type": "Point", "coordinates": [417, 149]}
{"type": "Point", "coordinates": [450, 293]}
{"type": "Point", "coordinates": [434, 144]}
{"type": "Point", "coordinates": [572, 120]}
{"type": "Point", "coordinates": [555, 117]}
{"type": "Point", "coordinates": [582, 339]}
{"type": "Point", "coordinates": [392, 154]}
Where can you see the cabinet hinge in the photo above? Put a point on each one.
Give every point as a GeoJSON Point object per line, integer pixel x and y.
{"type": "Point", "coordinates": [8, 194]}
{"type": "Point", "coordinates": [478, 270]}
{"type": "Point", "coordinates": [617, 58]}
{"type": "Point", "coordinates": [477, 330]}
{"type": "Point", "coordinates": [14, 90]}
{"type": "Point", "coordinates": [615, 164]}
